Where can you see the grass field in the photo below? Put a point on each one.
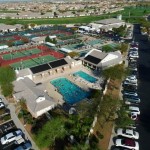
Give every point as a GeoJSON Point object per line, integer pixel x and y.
{"type": "Point", "coordinates": [133, 12]}
{"type": "Point", "coordinates": [21, 54]}
{"type": "Point", "coordinates": [32, 62]}
{"type": "Point", "coordinates": [9, 11]}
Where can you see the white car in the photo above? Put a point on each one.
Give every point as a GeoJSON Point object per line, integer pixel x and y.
{"type": "Point", "coordinates": [2, 105]}
{"type": "Point", "coordinates": [128, 143]}
{"type": "Point", "coordinates": [133, 55]}
{"type": "Point", "coordinates": [130, 93]}
{"type": "Point", "coordinates": [131, 79]}
{"type": "Point", "coordinates": [134, 109]}
{"type": "Point", "coordinates": [129, 133]}
{"type": "Point", "coordinates": [10, 137]}
{"type": "Point", "coordinates": [130, 83]}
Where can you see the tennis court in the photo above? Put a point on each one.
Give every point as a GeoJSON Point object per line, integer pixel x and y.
{"type": "Point", "coordinates": [19, 54]}
{"type": "Point", "coordinates": [32, 62]}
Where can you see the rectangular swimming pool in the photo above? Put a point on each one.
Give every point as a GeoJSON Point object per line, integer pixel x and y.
{"type": "Point", "coordinates": [70, 91]}
{"type": "Point", "coordinates": [85, 76]}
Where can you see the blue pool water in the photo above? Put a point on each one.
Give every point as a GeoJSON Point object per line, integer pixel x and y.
{"type": "Point", "coordinates": [70, 91]}
{"type": "Point", "coordinates": [85, 76]}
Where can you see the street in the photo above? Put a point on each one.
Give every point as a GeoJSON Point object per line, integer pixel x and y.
{"type": "Point", "coordinates": [144, 88]}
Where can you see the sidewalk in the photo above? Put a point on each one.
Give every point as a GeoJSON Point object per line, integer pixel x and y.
{"type": "Point", "coordinates": [18, 123]}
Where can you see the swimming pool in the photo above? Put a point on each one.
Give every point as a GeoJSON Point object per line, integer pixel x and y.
{"type": "Point", "coordinates": [85, 76]}
{"type": "Point", "coordinates": [70, 91]}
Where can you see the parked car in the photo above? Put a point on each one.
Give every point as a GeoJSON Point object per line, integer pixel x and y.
{"type": "Point", "coordinates": [10, 137]}
{"type": "Point", "coordinates": [130, 88]}
{"type": "Point", "coordinates": [119, 148]}
{"type": "Point", "coordinates": [2, 105]}
{"type": "Point", "coordinates": [128, 143]}
{"type": "Point", "coordinates": [126, 82]}
{"type": "Point", "coordinates": [24, 146]}
{"type": "Point", "coordinates": [131, 79]}
{"type": "Point", "coordinates": [129, 133]}
{"type": "Point", "coordinates": [130, 96]}
{"type": "Point", "coordinates": [130, 93]}
{"type": "Point", "coordinates": [132, 100]}
{"type": "Point", "coordinates": [134, 109]}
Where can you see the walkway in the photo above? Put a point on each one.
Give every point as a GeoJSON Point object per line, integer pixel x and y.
{"type": "Point", "coordinates": [17, 122]}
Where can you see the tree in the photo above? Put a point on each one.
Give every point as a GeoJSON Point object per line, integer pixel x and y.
{"type": "Point", "coordinates": [7, 89]}
{"type": "Point", "coordinates": [55, 14]}
{"type": "Point", "coordinates": [108, 109]}
{"type": "Point", "coordinates": [47, 39]}
{"type": "Point", "coordinates": [25, 40]}
{"type": "Point", "coordinates": [51, 131]}
{"type": "Point", "coordinates": [73, 54]}
{"type": "Point", "coordinates": [123, 119]}
{"type": "Point", "coordinates": [32, 25]}
{"type": "Point", "coordinates": [123, 47]}
{"type": "Point", "coordinates": [10, 44]}
{"type": "Point", "coordinates": [23, 104]}
{"type": "Point", "coordinates": [115, 72]}
{"type": "Point", "coordinates": [7, 75]}
{"type": "Point", "coordinates": [26, 26]}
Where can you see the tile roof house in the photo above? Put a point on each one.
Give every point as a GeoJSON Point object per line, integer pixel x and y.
{"type": "Point", "coordinates": [37, 100]}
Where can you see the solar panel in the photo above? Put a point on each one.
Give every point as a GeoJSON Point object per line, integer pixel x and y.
{"type": "Point", "coordinates": [57, 63]}
{"type": "Point", "coordinates": [92, 59]}
{"type": "Point", "coordinates": [40, 68]}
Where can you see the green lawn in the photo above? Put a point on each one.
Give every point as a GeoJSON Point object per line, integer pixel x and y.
{"type": "Point", "coordinates": [134, 11]}
{"type": "Point", "coordinates": [9, 11]}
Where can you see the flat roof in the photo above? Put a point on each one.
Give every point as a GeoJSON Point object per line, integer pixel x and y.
{"type": "Point", "coordinates": [92, 59]}
{"type": "Point", "coordinates": [40, 68]}
{"type": "Point", "coordinates": [109, 21]}
{"type": "Point", "coordinates": [58, 63]}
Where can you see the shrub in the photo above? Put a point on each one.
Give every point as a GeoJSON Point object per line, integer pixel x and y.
{"type": "Point", "coordinates": [7, 117]}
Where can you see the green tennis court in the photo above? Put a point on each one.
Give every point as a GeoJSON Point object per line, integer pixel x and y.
{"type": "Point", "coordinates": [32, 62]}
{"type": "Point", "coordinates": [19, 54]}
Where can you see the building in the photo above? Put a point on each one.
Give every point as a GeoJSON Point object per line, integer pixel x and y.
{"type": "Point", "coordinates": [37, 100]}
{"type": "Point", "coordinates": [38, 40]}
{"type": "Point", "coordinates": [107, 24]}
{"type": "Point", "coordinates": [8, 28]}
{"type": "Point", "coordinates": [98, 60]}
{"type": "Point", "coordinates": [47, 70]}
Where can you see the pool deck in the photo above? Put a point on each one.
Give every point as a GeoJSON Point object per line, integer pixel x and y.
{"type": "Point", "coordinates": [52, 91]}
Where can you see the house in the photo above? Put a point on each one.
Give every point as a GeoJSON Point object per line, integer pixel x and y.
{"type": "Point", "coordinates": [107, 24]}
{"type": "Point", "coordinates": [8, 28]}
{"type": "Point", "coordinates": [37, 100]}
{"type": "Point", "coordinates": [98, 60]}
{"type": "Point", "coordinates": [44, 71]}
{"type": "Point", "coordinates": [53, 68]}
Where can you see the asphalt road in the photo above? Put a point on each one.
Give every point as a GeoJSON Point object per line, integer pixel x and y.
{"type": "Point", "coordinates": [143, 88]}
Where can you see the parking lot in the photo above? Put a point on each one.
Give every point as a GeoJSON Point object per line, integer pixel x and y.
{"type": "Point", "coordinates": [4, 129]}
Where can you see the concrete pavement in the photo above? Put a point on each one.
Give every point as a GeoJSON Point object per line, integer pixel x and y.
{"type": "Point", "coordinates": [17, 122]}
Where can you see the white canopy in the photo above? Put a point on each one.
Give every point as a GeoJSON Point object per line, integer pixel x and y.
{"type": "Point", "coordinates": [50, 44]}
{"type": "Point", "coordinates": [66, 50]}
{"type": "Point", "coordinates": [3, 46]}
